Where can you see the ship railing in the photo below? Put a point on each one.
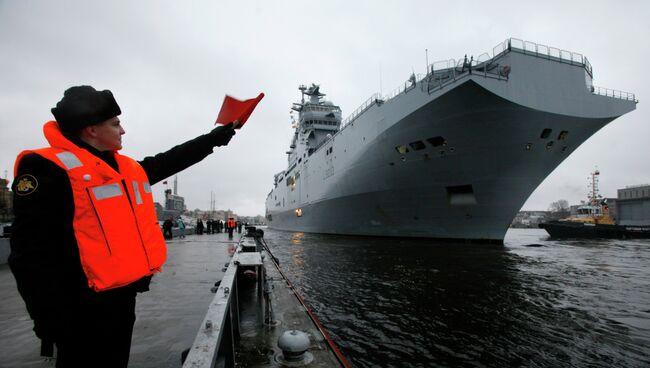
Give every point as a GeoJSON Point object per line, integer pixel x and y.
{"type": "Point", "coordinates": [542, 51]}
{"type": "Point", "coordinates": [445, 72]}
{"type": "Point", "coordinates": [602, 91]}
{"type": "Point", "coordinates": [408, 85]}
{"type": "Point", "coordinates": [361, 109]}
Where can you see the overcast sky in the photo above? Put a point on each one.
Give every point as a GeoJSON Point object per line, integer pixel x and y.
{"type": "Point", "coordinates": [170, 63]}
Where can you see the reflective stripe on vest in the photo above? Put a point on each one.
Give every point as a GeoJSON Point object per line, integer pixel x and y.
{"type": "Point", "coordinates": [107, 191]}
{"type": "Point", "coordinates": [138, 197]}
{"type": "Point", "coordinates": [69, 160]}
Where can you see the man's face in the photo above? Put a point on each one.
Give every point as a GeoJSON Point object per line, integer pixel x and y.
{"type": "Point", "coordinates": [109, 134]}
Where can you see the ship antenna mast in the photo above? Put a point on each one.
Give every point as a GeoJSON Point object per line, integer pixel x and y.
{"type": "Point", "coordinates": [594, 187]}
{"type": "Point", "coordinates": [302, 89]}
{"type": "Point", "coordinates": [426, 53]}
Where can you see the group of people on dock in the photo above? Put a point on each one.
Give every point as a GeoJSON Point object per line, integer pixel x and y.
{"type": "Point", "coordinates": [217, 226]}
{"type": "Point", "coordinates": [209, 227]}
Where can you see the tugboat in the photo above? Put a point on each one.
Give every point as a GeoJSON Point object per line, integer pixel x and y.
{"type": "Point", "coordinates": [592, 221]}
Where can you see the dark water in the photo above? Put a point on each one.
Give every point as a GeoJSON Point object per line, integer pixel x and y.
{"type": "Point", "coordinates": [531, 302]}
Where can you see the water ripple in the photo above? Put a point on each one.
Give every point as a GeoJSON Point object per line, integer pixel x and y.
{"type": "Point", "coordinates": [533, 302]}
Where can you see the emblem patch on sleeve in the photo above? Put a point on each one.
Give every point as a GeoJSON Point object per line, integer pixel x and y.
{"type": "Point", "coordinates": [26, 184]}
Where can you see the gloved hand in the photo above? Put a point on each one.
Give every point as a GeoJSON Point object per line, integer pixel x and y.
{"type": "Point", "coordinates": [221, 135]}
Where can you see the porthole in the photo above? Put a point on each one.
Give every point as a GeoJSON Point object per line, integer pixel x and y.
{"type": "Point", "coordinates": [437, 141]}
{"type": "Point", "coordinates": [545, 133]}
{"type": "Point", "coordinates": [417, 145]}
{"type": "Point", "coordinates": [402, 149]}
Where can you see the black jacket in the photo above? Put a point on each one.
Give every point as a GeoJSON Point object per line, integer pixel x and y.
{"type": "Point", "coordinates": [44, 254]}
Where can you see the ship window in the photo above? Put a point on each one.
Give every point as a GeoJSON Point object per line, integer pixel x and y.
{"type": "Point", "coordinates": [437, 141]}
{"type": "Point", "coordinates": [545, 133]}
{"type": "Point", "coordinates": [402, 149]}
{"type": "Point", "coordinates": [563, 135]}
{"type": "Point", "coordinates": [529, 146]}
{"type": "Point", "coordinates": [417, 145]}
{"type": "Point", "coordinates": [298, 212]}
{"type": "Point", "coordinates": [461, 195]}
{"type": "Point", "coordinates": [549, 145]}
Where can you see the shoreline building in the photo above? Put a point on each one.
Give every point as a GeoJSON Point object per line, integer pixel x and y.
{"type": "Point", "coordinates": [633, 205]}
{"type": "Point", "coordinates": [174, 204]}
{"type": "Point", "coordinates": [6, 201]}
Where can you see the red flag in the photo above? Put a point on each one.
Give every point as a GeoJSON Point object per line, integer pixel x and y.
{"type": "Point", "coordinates": [233, 109]}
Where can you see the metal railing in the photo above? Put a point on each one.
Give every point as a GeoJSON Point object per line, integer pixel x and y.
{"type": "Point", "coordinates": [543, 51]}
{"type": "Point", "coordinates": [602, 91]}
{"type": "Point", "coordinates": [364, 106]}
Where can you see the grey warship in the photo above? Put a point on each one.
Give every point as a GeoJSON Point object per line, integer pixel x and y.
{"type": "Point", "coordinates": [452, 154]}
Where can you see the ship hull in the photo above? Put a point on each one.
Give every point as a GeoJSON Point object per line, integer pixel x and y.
{"type": "Point", "coordinates": [497, 148]}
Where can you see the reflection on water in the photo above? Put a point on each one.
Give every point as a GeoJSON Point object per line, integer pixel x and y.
{"type": "Point", "coordinates": [402, 302]}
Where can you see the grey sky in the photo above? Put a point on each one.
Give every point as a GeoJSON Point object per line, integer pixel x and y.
{"type": "Point", "coordinates": [170, 63]}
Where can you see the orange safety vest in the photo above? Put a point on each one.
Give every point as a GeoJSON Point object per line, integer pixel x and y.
{"type": "Point", "coordinates": [115, 221]}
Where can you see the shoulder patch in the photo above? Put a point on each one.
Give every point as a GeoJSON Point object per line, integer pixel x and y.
{"type": "Point", "coordinates": [26, 184]}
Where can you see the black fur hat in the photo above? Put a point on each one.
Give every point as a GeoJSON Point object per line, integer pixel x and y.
{"type": "Point", "coordinates": [82, 106]}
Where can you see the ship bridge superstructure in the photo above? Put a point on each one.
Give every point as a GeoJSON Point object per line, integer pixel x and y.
{"type": "Point", "coordinates": [317, 121]}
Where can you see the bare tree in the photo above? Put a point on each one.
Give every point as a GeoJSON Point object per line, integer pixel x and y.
{"type": "Point", "coordinates": [559, 209]}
